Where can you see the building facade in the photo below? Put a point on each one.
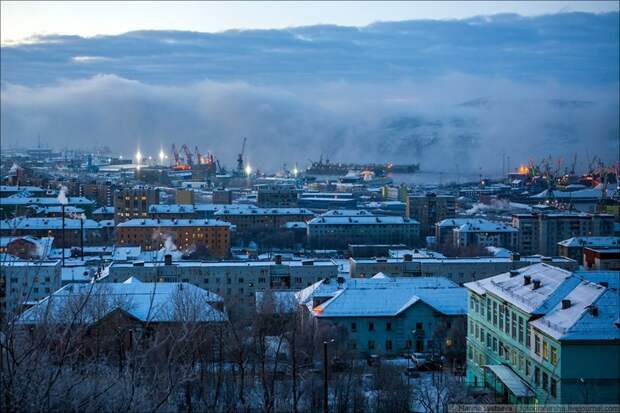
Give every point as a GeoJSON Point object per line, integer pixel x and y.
{"type": "Point", "coordinates": [26, 282]}
{"type": "Point", "coordinates": [334, 231]}
{"type": "Point", "coordinates": [153, 234]}
{"type": "Point", "coordinates": [543, 335]}
{"type": "Point", "coordinates": [130, 203]}
{"type": "Point", "coordinates": [539, 233]}
{"type": "Point", "coordinates": [430, 208]}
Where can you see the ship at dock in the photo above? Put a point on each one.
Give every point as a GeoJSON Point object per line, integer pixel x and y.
{"type": "Point", "coordinates": [326, 167]}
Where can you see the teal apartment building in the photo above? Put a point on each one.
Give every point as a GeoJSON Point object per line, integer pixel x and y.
{"type": "Point", "coordinates": [544, 335]}
{"type": "Point", "coordinates": [390, 316]}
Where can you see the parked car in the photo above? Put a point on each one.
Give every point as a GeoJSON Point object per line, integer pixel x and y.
{"type": "Point", "coordinates": [418, 360]}
{"type": "Point", "coordinates": [373, 360]}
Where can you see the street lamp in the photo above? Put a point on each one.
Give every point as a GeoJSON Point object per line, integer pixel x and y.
{"type": "Point", "coordinates": [325, 392]}
{"type": "Point", "coordinates": [248, 170]}
{"type": "Point", "coordinates": [138, 156]}
{"type": "Point", "coordinates": [161, 156]}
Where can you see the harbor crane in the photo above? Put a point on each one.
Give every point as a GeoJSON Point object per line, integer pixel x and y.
{"type": "Point", "coordinates": [240, 157]}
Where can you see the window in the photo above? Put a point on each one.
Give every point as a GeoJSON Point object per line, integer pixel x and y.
{"type": "Point", "coordinates": [206, 281]}
{"type": "Point", "coordinates": [408, 344]}
{"type": "Point", "coordinates": [520, 329]}
{"type": "Point", "coordinates": [488, 340]}
{"type": "Point", "coordinates": [354, 327]}
{"type": "Point", "coordinates": [553, 388]}
{"type": "Point", "coordinates": [513, 359]}
{"type": "Point", "coordinates": [470, 353]}
{"type": "Point", "coordinates": [554, 356]}
{"type": "Point", "coordinates": [528, 367]}
{"type": "Point", "coordinates": [419, 326]}
{"type": "Point", "coordinates": [494, 313]}
{"type": "Point", "coordinates": [371, 345]}
{"type": "Point", "coordinates": [501, 317]}
{"type": "Point", "coordinates": [371, 326]}
{"type": "Point", "coordinates": [477, 331]}
{"type": "Point", "coordinates": [545, 380]}
{"type": "Point", "coordinates": [488, 309]}
{"type": "Point", "coordinates": [521, 359]}
{"type": "Point", "coordinates": [537, 345]}
{"type": "Point", "coordinates": [388, 345]}
{"type": "Point", "coordinates": [507, 322]}
{"type": "Point", "coordinates": [471, 328]}
{"type": "Point", "coordinates": [545, 350]}
{"type": "Point", "coordinates": [482, 335]}
{"type": "Point", "coordinates": [514, 325]}
{"type": "Point", "coordinates": [388, 326]}
{"type": "Point", "coordinates": [537, 375]}
{"type": "Point", "coordinates": [240, 280]}
{"type": "Point", "coordinates": [527, 337]}
{"type": "Point", "coordinates": [494, 344]}
{"type": "Point", "coordinates": [501, 349]}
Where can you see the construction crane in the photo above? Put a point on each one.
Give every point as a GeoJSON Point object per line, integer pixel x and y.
{"type": "Point", "coordinates": [175, 153]}
{"type": "Point", "coordinates": [188, 155]}
{"type": "Point", "coordinates": [240, 157]}
{"type": "Point", "coordinates": [199, 159]}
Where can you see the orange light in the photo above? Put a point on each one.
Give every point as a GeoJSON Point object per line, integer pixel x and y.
{"type": "Point", "coordinates": [523, 170]}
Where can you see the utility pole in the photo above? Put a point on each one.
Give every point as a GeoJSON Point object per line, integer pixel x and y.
{"type": "Point", "coordinates": [62, 206]}
{"type": "Point", "coordinates": [325, 377]}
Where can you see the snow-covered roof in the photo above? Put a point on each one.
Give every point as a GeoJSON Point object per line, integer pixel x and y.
{"type": "Point", "coordinates": [584, 291]}
{"type": "Point", "coordinates": [173, 223]}
{"type": "Point", "coordinates": [50, 223]}
{"type": "Point", "coordinates": [415, 253]}
{"type": "Point", "coordinates": [71, 200]}
{"type": "Point", "coordinates": [43, 245]}
{"type": "Point", "coordinates": [578, 321]}
{"type": "Point", "coordinates": [147, 302]}
{"type": "Point", "coordinates": [554, 284]}
{"type": "Point", "coordinates": [104, 210]}
{"type": "Point", "coordinates": [264, 211]}
{"type": "Point", "coordinates": [582, 194]}
{"type": "Point", "coordinates": [457, 222]}
{"type": "Point", "coordinates": [591, 242]}
{"type": "Point", "coordinates": [387, 296]}
{"type": "Point", "coordinates": [347, 213]}
{"type": "Point", "coordinates": [499, 252]}
{"type": "Point", "coordinates": [171, 209]}
{"type": "Point", "coordinates": [515, 384]}
{"type": "Point", "coordinates": [362, 220]}
{"type": "Point", "coordinates": [56, 209]}
{"type": "Point", "coordinates": [486, 227]}
{"type": "Point", "coordinates": [125, 253]}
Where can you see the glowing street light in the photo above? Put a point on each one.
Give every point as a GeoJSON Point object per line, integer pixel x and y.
{"type": "Point", "coordinates": [248, 170]}
{"type": "Point", "coordinates": [138, 156]}
{"type": "Point", "coordinates": [162, 156]}
{"type": "Point", "coordinates": [295, 171]}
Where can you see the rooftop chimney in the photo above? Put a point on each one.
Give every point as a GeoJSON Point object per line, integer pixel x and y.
{"type": "Point", "coordinates": [594, 310]}
{"type": "Point", "coordinates": [527, 279]}
{"type": "Point", "coordinates": [516, 256]}
{"type": "Point", "coordinates": [536, 285]}
{"type": "Point", "coordinates": [513, 273]}
{"type": "Point", "coordinates": [168, 259]}
{"type": "Point", "coordinates": [408, 257]}
{"type": "Point", "coordinates": [565, 304]}
{"type": "Point", "coordinates": [278, 259]}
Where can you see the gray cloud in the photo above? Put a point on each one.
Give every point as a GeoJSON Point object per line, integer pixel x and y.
{"type": "Point", "coordinates": [449, 94]}
{"type": "Point", "coordinates": [402, 122]}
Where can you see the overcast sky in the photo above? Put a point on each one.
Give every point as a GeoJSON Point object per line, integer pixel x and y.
{"type": "Point", "coordinates": [21, 20]}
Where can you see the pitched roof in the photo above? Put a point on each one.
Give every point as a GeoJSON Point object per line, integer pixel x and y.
{"type": "Point", "coordinates": [147, 302]}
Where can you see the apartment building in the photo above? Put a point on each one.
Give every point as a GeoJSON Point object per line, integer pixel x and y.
{"type": "Point", "coordinates": [539, 233]}
{"type": "Point", "coordinates": [250, 219]}
{"type": "Point", "coordinates": [25, 282]}
{"type": "Point", "coordinates": [335, 231]}
{"type": "Point", "coordinates": [152, 234]}
{"type": "Point", "coordinates": [389, 316]}
{"type": "Point", "coordinates": [278, 196]}
{"type": "Point", "coordinates": [130, 203]}
{"type": "Point", "coordinates": [544, 335]}
{"type": "Point", "coordinates": [430, 208]}
{"type": "Point", "coordinates": [73, 231]}
{"type": "Point", "coordinates": [486, 234]}
{"type": "Point", "coordinates": [573, 247]}
{"type": "Point", "coordinates": [459, 270]}
{"type": "Point", "coordinates": [235, 280]}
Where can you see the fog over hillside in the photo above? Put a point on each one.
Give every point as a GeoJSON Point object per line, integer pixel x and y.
{"type": "Point", "coordinates": [449, 94]}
